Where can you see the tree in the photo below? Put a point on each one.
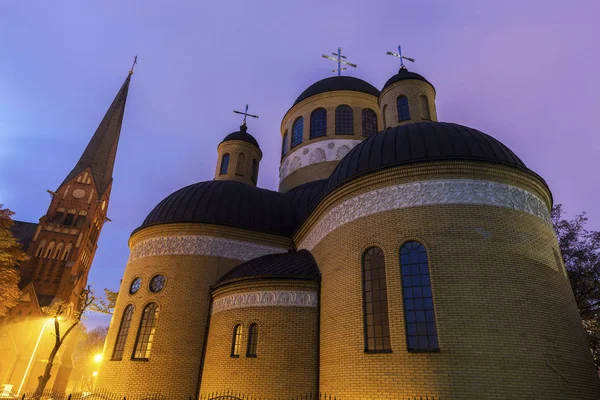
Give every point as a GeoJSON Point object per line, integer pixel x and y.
{"type": "Point", "coordinates": [64, 316]}
{"type": "Point", "coordinates": [580, 249]}
{"type": "Point", "coordinates": [11, 254]}
{"type": "Point", "coordinates": [107, 305]}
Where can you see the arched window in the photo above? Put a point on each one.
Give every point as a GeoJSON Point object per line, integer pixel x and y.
{"type": "Point", "coordinates": [117, 354]}
{"type": "Point", "coordinates": [284, 145]}
{"type": "Point", "coordinates": [377, 328]}
{"type": "Point", "coordinates": [297, 131]}
{"type": "Point", "coordinates": [254, 172]}
{"type": "Point", "coordinates": [318, 123]}
{"type": "Point", "coordinates": [70, 217]}
{"type": "Point", "coordinates": [403, 111]}
{"type": "Point", "coordinates": [344, 120]}
{"type": "Point", "coordinates": [252, 340]}
{"type": "Point", "coordinates": [146, 332]}
{"type": "Point", "coordinates": [40, 249]}
{"type": "Point", "coordinates": [81, 219]}
{"type": "Point", "coordinates": [224, 164]}
{"type": "Point", "coordinates": [384, 112]}
{"type": "Point", "coordinates": [49, 249]}
{"type": "Point", "coordinates": [240, 167]}
{"type": "Point", "coordinates": [369, 122]}
{"type": "Point", "coordinates": [421, 331]}
{"type": "Point", "coordinates": [67, 252]}
{"type": "Point", "coordinates": [58, 215]}
{"type": "Point", "coordinates": [425, 107]}
{"type": "Point", "coordinates": [59, 248]}
{"type": "Point", "coordinates": [236, 341]}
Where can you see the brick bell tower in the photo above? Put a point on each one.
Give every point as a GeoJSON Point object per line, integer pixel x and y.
{"type": "Point", "coordinates": [65, 241]}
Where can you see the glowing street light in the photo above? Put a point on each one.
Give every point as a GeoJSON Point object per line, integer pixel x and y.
{"type": "Point", "coordinates": [98, 357]}
{"type": "Point", "coordinates": [95, 373]}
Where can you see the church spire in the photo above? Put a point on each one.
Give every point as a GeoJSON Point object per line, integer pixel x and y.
{"type": "Point", "coordinates": [101, 151]}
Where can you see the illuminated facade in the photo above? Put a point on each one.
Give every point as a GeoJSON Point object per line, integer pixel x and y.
{"type": "Point", "coordinates": [401, 257]}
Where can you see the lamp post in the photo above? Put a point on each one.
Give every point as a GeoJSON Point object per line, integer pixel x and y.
{"type": "Point", "coordinates": [37, 344]}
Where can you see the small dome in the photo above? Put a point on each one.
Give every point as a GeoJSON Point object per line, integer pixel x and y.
{"type": "Point", "coordinates": [422, 142]}
{"type": "Point", "coordinates": [227, 203]}
{"type": "Point", "coordinates": [404, 74]}
{"type": "Point", "coordinates": [298, 265]}
{"type": "Point", "coordinates": [338, 83]}
{"type": "Point", "coordinates": [242, 135]}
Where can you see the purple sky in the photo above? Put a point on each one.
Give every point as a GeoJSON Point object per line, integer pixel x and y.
{"type": "Point", "coordinates": [525, 72]}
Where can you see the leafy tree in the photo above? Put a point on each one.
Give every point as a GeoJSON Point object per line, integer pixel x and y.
{"type": "Point", "coordinates": [11, 253]}
{"type": "Point", "coordinates": [580, 249]}
{"type": "Point", "coordinates": [106, 305]}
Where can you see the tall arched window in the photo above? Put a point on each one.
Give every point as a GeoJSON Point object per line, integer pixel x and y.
{"type": "Point", "coordinates": [284, 145]}
{"type": "Point", "coordinates": [344, 120]}
{"type": "Point", "coordinates": [369, 122]}
{"type": "Point", "coordinates": [59, 215]}
{"type": "Point", "coordinates": [240, 166]}
{"type": "Point", "coordinates": [254, 172]}
{"type": "Point", "coordinates": [236, 341]}
{"type": "Point", "coordinates": [49, 249]}
{"type": "Point", "coordinates": [297, 131]}
{"type": "Point", "coordinates": [318, 123]}
{"type": "Point", "coordinates": [425, 107]}
{"type": "Point", "coordinates": [403, 111]}
{"type": "Point", "coordinates": [70, 217]}
{"type": "Point", "coordinates": [146, 332]}
{"type": "Point", "coordinates": [117, 354]}
{"type": "Point", "coordinates": [376, 321]}
{"type": "Point", "coordinates": [224, 164]}
{"type": "Point", "coordinates": [59, 248]}
{"type": "Point", "coordinates": [81, 219]}
{"type": "Point", "coordinates": [252, 340]}
{"type": "Point", "coordinates": [384, 113]}
{"type": "Point", "coordinates": [67, 252]}
{"type": "Point", "coordinates": [40, 250]}
{"type": "Point", "coordinates": [421, 331]}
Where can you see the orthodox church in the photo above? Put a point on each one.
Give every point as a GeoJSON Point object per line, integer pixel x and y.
{"type": "Point", "coordinates": [61, 247]}
{"type": "Point", "coordinates": [401, 257]}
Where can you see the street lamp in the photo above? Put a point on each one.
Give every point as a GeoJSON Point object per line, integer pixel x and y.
{"type": "Point", "coordinates": [33, 354]}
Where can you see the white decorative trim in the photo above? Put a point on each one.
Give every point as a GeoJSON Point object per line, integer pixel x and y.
{"type": "Point", "coordinates": [201, 246]}
{"type": "Point", "coordinates": [445, 191]}
{"type": "Point", "coordinates": [312, 153]}
{"type": "Point", "coordinates": [273, 298]}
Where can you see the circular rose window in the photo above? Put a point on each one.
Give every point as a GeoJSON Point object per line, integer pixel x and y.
{"type": "Point", "coordinates": [135, 285]}
{"type": "Point", "coordinates": [157, 283]}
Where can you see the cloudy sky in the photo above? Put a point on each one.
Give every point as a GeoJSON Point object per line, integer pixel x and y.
{"type": "Point", "coordinates": [525, 72]}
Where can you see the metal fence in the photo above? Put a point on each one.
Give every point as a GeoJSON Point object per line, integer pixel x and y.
{"type": "Point", "coordinates": [224, 395]}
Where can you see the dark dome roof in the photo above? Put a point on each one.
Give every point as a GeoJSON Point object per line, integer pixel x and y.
{"type": "Point", "coordinates": [404, 74]}
{"type": "Point", "coordinates": [227, 203]}
{"type": "Point", "coordinates": [422, 142]}
{"type": "Point", "coordinates": [242, 135]}
{"type": "Point", "coordinates": [294, 265]}
{"type": "Point", "coordinates": [304, 197]}
{"type": "Point", "coordinates": [338, 83]}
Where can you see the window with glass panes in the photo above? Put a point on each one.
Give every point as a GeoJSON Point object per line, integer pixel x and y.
{"type": "Point", "coordinates": [224, 164]}
{"type": "Point", "coordinates": [344, 120]}
{"type": "Point", "coordinates": [252, 340]}
{"type": "Point", "coordinates": [284, 145]}
{"type": "Point", "coordinates": [421, 330]}
{"type": "Point", "coordinates": [146, 332]}
{"type": "Point", "coordinates": [369, 122]}
{"type": "Point", "coordinates": [318, 123]}
{"type": "Point", "coordinates": [377, 329]}
{"type": "Point", "coordinates": [403, 111]}
{"type": "Point", "coordinates": [117, 354]}
{"type": "Point", "coordinates": [236, 341]}
{"type": "Point", "coordinates": [297, 131]}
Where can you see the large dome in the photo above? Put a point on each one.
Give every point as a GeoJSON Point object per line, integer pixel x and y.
{"type": "Point", "coordinates": [227, 203]}
{"type": "Point", "coordinates": [338, 83]}
{"type": "Point", "coordinates": [422, 142]}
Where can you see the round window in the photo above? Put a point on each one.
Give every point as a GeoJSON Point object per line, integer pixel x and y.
{"type": "Point", "coordinates": [157, 283]}
{"type": "Point", "coordinates": [135, 285]}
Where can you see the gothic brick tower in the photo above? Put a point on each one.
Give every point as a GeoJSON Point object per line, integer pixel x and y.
{"type": "Point", "coordinates": [65, 240]}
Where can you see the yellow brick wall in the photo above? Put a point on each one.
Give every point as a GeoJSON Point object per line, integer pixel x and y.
{"type": "Point", "coordinates": [286, 362]}
{"type": "Point", "coordinates": [412, 89]}
{"type": "Point", "coordinates": [234, 148]}
{"type": "Point", "coordinates": [506, 316]}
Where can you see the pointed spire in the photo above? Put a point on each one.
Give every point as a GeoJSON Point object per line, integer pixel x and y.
{"type": "Point", "coordinates": [101, 151]}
